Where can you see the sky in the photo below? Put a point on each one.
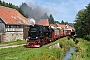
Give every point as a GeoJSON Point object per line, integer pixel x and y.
{"type": "Point", "coordinates": [65, 10]}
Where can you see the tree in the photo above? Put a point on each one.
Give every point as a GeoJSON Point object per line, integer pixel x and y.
{"type": "Point", "coordinates": [56, 22]}
{"type": "Point", "coordinates": [82, 24]}
{"type": "Point", "coordinates": [65, 22]}
{"type": "Point", "coordinates": [51, 19]}
{"type": "Point", "coordinates": [45, 16]}
{"type": "Point", "coordinates": [79, 25]}
{"type": "Point", "coordinates": [0, 2]}
{"type": "Point", "coordinates": [62, 22]}
{"type": "Point", "coordinates": [87, 18]}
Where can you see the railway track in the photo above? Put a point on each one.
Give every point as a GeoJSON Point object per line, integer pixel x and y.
{"type": "Point", "coordinates": [6, 46]}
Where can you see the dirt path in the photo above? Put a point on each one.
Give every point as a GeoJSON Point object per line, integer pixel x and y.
{"type": "Point", "coordinates": [6, 46]}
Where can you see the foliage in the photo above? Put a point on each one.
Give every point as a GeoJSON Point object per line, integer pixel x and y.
{"type": "Point", "coordinates": [45, 16]}
{"type": "Point", "coordinates": [51, 19]}
{"type": "Point", "coordinates": [68, 37]}
{"type": "Point", "coordinates": [65, 22]}
{"type": "Point", "coordinates": [88, 36]}
{"type": "Point", "coordinates": [71, 24]}
{"type": "Point", "coordinates": [79, 26]}
{"type": "Point", "coordinates": [56, 22]}
{"type": "Point", "coordinates": [23, 53]}
{"type": "Point", "coordinates": [82, 51]}
{"type": "Point", "coordinates": [62, 22]}
{"type": "Point", "coordinates": [65, 44]}
{"type": "Point", "coordinates": [82, 22]}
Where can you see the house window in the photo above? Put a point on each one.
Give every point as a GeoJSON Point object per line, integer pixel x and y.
{"type": "Point", "coordinates": [19, 26]}
{"type": "Point", "coordinates": [11, 26]}
{"type": "Point", "coordinates": [14, 26]}
{"type": "Point", "coordinates": [8, 26]}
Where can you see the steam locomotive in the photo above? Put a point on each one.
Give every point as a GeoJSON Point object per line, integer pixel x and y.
{"type": "Point", "coordinates": [38, 35]}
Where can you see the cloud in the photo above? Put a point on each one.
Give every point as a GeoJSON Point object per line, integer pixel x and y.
{"type": "Point", "coordinates": [67, 10]}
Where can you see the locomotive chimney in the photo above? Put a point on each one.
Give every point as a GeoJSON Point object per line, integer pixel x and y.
{"type": "Point", "coordinates": [31, 21]}
{"type": "Point", "coordinates": [66, 26]}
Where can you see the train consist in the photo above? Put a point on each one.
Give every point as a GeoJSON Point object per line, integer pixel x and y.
{"type": "Point", "coordinates": [39, 35]}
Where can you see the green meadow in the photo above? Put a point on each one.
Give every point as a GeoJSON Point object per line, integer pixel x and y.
{"type": "Point", "coordinates": [44, 53]}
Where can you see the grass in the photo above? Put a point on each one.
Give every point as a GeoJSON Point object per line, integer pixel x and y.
{"type": "Point", "coordinates": [65, 44]}
{"type": "Point", "coordinates": [22, 53]}
{"type": "Point", "coordinates": [43, 53]}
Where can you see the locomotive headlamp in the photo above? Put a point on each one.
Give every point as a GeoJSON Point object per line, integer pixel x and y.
{"type": "Point", "coordinates": [28, 37]}
{"type": "Point", "coordinates": [36, 37]}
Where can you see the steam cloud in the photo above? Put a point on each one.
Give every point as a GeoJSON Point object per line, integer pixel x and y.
{"type": "Point", "coordinates": [34, 11]}
{"type": "Point", "coordinates": [31, 21]}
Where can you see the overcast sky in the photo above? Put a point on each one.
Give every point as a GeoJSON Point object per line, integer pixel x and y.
{"type": "Point", "coordinates": [60, 9]}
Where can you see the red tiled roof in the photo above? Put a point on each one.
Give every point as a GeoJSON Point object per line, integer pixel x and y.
{"type": "Point", "coordinates": [60, 25]}
{"type": "Point", "coordinates": [52, 25]}
{"type": "Point", "coordinates": [11, 16]}
{"type": "Point", "coordinates": [63, 26]}
{"type": "Point", "coordinates": [43, 22]}
{"type": "Point", "coordinates": [71, 27]}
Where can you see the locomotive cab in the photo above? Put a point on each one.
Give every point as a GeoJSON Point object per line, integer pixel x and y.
{"type": "Point", "coordinates": [48, 34]}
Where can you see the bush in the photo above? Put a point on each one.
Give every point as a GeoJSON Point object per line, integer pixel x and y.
{"type": "Point", "coordinates": [77, 49]}
{"type": "Point", "coordinates": [87, 37]}
{"type": "Point", "coordinates": [68, 37]}
{"type": "Point", "coordinates": [18, 40]}
{"type": "Point", "coordinates": [76, 41]}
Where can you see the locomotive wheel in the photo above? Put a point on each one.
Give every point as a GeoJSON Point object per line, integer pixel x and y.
{"type": "Point", "coordinates": [42, 42]}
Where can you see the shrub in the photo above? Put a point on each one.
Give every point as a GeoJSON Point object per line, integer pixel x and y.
{"type": "Point", "coordinates": [18, 40]}
{"type": "Point", "coordinates": [76, 41]}
{"type": "Point", "coordinates": [85, 37]}
{"type": "Point", "coordinates": [68, 37]}
{"type": "Point", "coordinates": [88, 36]}
{"type": "Point", "coordinates": [77, 49]}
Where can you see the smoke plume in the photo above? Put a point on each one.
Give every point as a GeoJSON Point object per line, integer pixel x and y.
{"type": "Point", "coordinates": [34, 11]}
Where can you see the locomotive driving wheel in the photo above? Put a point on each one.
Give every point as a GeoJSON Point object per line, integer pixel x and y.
{"type": "Point", "coordinates": [42, 42]}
